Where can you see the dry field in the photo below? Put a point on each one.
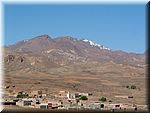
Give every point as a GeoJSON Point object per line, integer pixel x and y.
{"type": "Point", "coordinates": [101, 79]}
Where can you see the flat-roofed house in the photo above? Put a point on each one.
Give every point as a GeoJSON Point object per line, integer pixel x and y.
{"type": "Point", "coordinates": [71, 96]}
{"type": "Point", "coordinates": [44, 105]}
{"type": "Point", "coordinates": [24, 102]}
{"type": "Point", "coordinates": [36, 93]}
{"type": "Point", "coordinates": [62, 93]}
{"type": "Point", "coordinates": [84, 94]}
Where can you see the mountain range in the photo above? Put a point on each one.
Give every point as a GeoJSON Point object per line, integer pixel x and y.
{"type": "Point", "coordinates": [67, 50]}
{"type": "Point", "coordinates": [53, 64]}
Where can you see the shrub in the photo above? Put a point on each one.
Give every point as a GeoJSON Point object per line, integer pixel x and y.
{"type": "Point", "coordinates": [83, 98]}
{"type": "Point", "coordinates": [102, 105]}
{"type": "Point", "coordinates": [102, 99]}
{"type": "Point", "coordinates": [133, 87]}
{"type": "Point", "coordinates": [127, 86]}
{"type": "Point", "coordinates": [22, 95]}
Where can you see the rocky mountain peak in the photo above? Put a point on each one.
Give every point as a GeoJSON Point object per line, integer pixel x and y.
{"type": "Point", "coordinates": [66, 38]}
{"type": "Point", "coordinates": [45, 36]}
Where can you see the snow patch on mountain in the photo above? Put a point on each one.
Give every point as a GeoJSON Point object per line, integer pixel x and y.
{"type": "Point", "coordinates": [25, 40]}
{"type": "Point", "coordinates": [95, 44]}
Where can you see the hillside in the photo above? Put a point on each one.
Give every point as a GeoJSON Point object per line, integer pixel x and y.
{"type": "Point", "coordinates": [66, 63]}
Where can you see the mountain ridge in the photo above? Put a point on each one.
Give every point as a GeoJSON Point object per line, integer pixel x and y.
{"type": "Point", "coordinates": [68, 49]}
{"type": "Point", "coordinates": [46, 36]}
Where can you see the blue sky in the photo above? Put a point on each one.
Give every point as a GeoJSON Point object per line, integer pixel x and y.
{"type": "Point", "coordinates": [120, 27]}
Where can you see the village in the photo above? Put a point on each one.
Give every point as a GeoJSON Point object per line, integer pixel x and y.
{"type": "Point", "coordinates": [66, 100]}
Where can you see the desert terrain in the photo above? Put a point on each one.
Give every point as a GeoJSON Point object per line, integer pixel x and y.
{"type": "Point", "coordinates": [51, 65]}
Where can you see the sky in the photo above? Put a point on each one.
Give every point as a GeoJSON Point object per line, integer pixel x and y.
{"type": "Point", "coordinates": [120, 26]}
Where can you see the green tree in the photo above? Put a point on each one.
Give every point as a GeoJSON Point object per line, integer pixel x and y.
{"type": "Point", "coordinates": [102, 99]}
{"type": "Point", "coordinates": [83, 98]}
{"type": "Point", "coordinates": [22, 95]}
{"type": "Point", "coordinates": [102, 105]}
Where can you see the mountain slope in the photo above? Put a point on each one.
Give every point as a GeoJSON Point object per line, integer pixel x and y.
{"type": "Point", "coordinates": [66, 63]}
{"type": "Point", "coordinates": [72, 49]}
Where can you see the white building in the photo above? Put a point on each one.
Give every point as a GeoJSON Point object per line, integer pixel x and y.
{"type": "Point", "coordinates": [70, 96]}
{"type": "Point", "coordinates": [24, 102]}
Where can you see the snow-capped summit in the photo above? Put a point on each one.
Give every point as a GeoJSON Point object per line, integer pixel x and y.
{"type": "Point", "coordinates": [95, 44]}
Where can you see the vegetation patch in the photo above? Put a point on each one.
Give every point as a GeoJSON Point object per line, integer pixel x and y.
{"type": "Point", "coordinates": [103, 99]}
{"type": "Point", "coordinates": [83, 98]}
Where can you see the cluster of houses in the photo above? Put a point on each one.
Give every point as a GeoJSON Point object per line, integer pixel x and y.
{"type": "Point", "coordinates": [65, 100]}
